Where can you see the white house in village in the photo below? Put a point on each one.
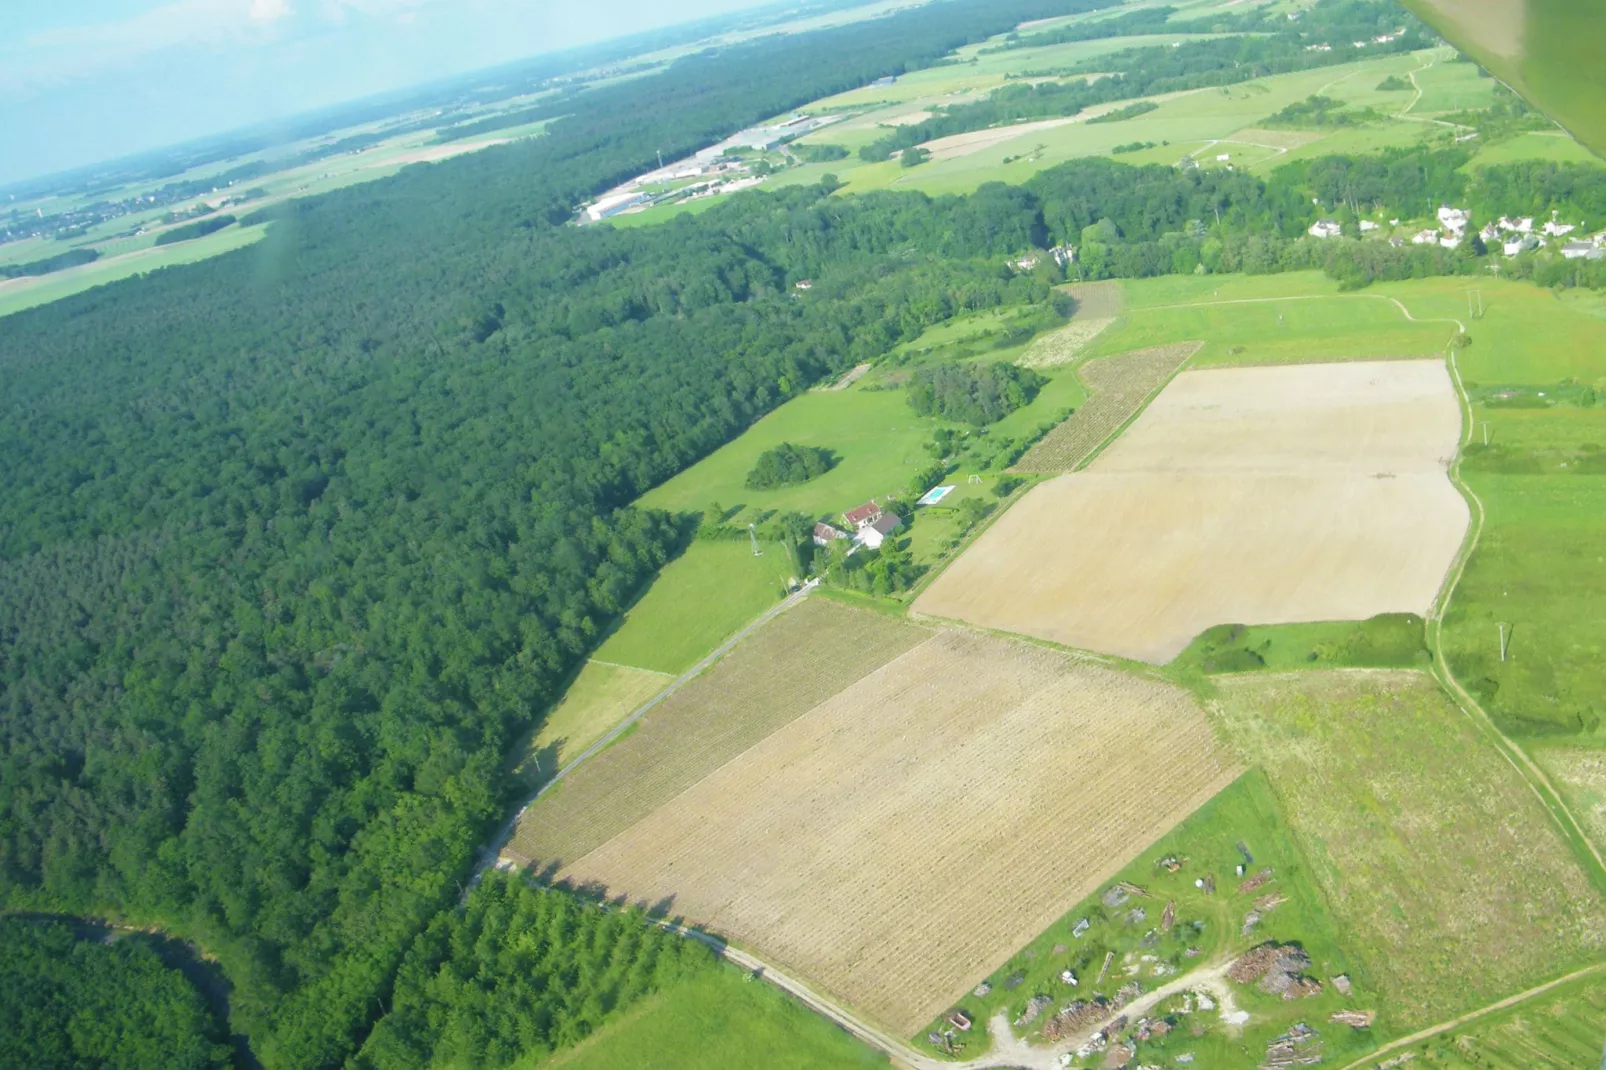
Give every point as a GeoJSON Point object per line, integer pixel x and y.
{"type": "Point", "coordinates": [1426, 237]}
{"type": "Point", "coordinates": [1451, 241]}
{"type": "Point", "coordinates": [1490, 234]}
{"type": "Point", "coordinates": [1367, 226]}
{"type": "Point", "coordinates": [1554, 229]}
{"type": "Point", "coordinates": [1521, 244]}
{"type": "Point", "coordinates": [1517, 226]}
{"type": "Point", "coordinates": [1455, 219]}
{"type": "Point", "coordinates": [1582, 250]}
{"type": "Point", "coordinates": [1326, 228]}
{"type": "Point", "coordinates": [878, 531]}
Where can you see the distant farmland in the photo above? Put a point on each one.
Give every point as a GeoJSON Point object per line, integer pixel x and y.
{"type": "Point", "coordinates": [1441, 865]}
{"type": "Point", "coordinates": [904, 837]}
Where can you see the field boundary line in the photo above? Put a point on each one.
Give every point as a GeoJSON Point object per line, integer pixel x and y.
{"type": "Point", "coordinates": [504, 834]}
{"type": "Point", "coordinates": [1566, 821]}
{"type": "Point", "coordinates": [1143, 407]}
{"type": "Point", "coordinates": [1472, 1016]}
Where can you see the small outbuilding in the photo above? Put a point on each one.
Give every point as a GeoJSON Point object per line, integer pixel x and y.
{"type": "Point", "coordinates": [1326, 228]}
{"type": "Point", "coordinates": [825, 534]}
{"type": "Point", "coordinates": [879, 530]}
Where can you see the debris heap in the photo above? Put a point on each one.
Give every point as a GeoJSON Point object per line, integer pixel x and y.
{"type": "Point", "coordinates": [1300, 1046]}
{"type": "Point", "coordinates": [1279, 969]}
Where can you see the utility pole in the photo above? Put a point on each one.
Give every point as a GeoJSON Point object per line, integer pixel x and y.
{"type": "Point", "coordinates": [1506, 632]}
{"type": "Point", "coordinates": [752, 533]}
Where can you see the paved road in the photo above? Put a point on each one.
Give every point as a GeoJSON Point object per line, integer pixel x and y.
{"type": "Point", "coordinates": [493, 850]}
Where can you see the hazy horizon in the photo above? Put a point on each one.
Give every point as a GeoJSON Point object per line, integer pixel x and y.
{"type": "Point", "coordinates": [111, 78]}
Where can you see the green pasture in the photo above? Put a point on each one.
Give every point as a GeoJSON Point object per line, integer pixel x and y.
{"type": "Point", "coordinates": [1449, 86]}
{"type": "Point", "coordinates": [1390, 641]}
{"type": "Point", "coordinates": [1206, 843]}
{"type": "Point", "coordinates": [699, 600]}
{"type": "Point", "coordinates": [1274, 319]}
{"type": "Point", "coordinates": [19, 294]}
{"type": "Point", "coordinates": [600, 697]}
{"type": "Point", "coordinates": [1553, 146]}
{"type": "Point", "coordinates": [724, 1018]}
{"type": "Point", "coordinates": [1560, 1028]}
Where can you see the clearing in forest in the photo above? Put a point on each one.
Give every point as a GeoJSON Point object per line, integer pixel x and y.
{"type": "Point", "coordinates": [1119, 386]}
{"type": "Point", "coordinates": [1268, 495]}
{"type": "Point", "coordinates": [788, 666]}
{"type": "Point", "coordinates": [907, 835]}
{"type": "Point", "coordinates": [1441, 864]}
{"type": "Point", "coordinates": [1097, 305]}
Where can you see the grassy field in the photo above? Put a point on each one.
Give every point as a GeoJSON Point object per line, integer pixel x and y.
{"type": "Point", "coordinates": [1561, 1028]}
{"type": "Point", "coordinates": [1390, 641]}
{"type": "Point", "coordinates": [19, 294]}
{"type": "Point", "coordinates": [1209, 929]}
{"type": "Point", "coordinates": [1397, 799]}
{"type": "Point", "coordinates": [722, 1019]}
{"type": "Point", "coordinates": [908, 833]}
{"type": "Point", "coordinates": [794, 662]}
{"type": "Point", "coordinates": [1294, 318]}
{"type": "Point", "coordinates": [601, 696]}
{"type": "Point", "coordinates": [1553, 146]}
{"type": "Point", "coordinates": [697, 602]}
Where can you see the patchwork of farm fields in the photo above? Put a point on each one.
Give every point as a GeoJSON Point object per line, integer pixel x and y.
{"type": "Point", "coordinates": [794, 662]}
{"type": "Point", "coordinates": [1251, 496]}
{"type": "Point", "coordinates": [1118, 386]}
{"type": "Point", "coordinates": [1439, 862]}
{"type": "Point", "coordinates": [907, 834]}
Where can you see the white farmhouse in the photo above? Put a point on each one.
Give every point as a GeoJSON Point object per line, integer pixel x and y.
{"type": "Point", "coordinates": [1326, 228]}
{"type": "Point", "coordinates": [1455, 219]}
{"type": "Point", "coordinates": [1557, 230]}
{"type": "Point", "coordinates": [1426, 237]}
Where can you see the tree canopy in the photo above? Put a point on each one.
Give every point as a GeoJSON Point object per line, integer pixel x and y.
{"type": "Point", "coordinates": [786, 465]}
{"type": "Point", "coordinates": [976, 393]}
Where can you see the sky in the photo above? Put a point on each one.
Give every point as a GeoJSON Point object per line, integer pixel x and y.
{"type": "Point", "coordinates": [83, 81]}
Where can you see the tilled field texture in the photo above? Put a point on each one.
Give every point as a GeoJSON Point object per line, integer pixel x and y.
{"type": "Point", "coordinates": [1443, 868]}
{"type": "Point", "coordinates": [1268, 495]}
{"type": "Point", "coordinates": [1118, 386]}
{"type": "Point", "coordinates": [1097, 306]}
{"type": "Point", "coordinates": [792, 664]}
{"type": "Point", "coordinates": [901, 840]}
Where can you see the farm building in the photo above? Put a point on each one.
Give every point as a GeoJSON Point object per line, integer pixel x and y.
{"type": "Point", "coordinates": [1455, 219]}
{"type": "Point", "coordinates": [1426, 237]}
{"type": "Point", "coordinates": [1582, 250]}
{"type": "Point", "coordinates": [1558, 230]}
{"type": "Point", "coordinates": [1326, 228]}
{"type": "Point", "coordinates": [1517, 226]}
{"type": "Point", "coordinates": [825, 534]}
{"type": "Point", "coordinates": [1522, 244]}
{"type": "Point", "coordinates": [862, 517]}
{"type": "Point", "coordinates": [878, 531]}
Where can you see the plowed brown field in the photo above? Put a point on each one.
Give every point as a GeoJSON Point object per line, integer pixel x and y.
{"type": "Point", "coordinates": [905, 837]}
{"type": "Point", "coordinates": [1264, 495]}
{"type": "Point", "coordinates": [794, 662]}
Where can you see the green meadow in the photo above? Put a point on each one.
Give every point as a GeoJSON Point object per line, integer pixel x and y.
{"type": "Point", "coordinates": [698, 601]}
{"type": "Point", "coordinates": [723, 1018]}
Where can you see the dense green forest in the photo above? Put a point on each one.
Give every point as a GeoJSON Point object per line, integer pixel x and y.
{"type": "Point", "coordinates": [977, 393]}
{"type": "Point", "coordinates": [76, 1004]}
{"type": "Point", "coordinates": [522, 972]}
{"type": "Point", "coordinates": [198, 229]}
{"type": "Point", "coordinates": [1285, 46]}
{"type": "Point", "coordinates": [295, 543]}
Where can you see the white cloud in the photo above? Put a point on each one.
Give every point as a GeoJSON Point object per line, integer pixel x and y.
{"type": "Point", "coordinates": [269, 10]}
{"type": "Point", "coordinates": [68, 53]}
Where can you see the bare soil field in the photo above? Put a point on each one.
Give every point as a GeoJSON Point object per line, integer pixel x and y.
{"type": "Point", "coordinates": [1118, 387]}
{"type": "Point", "coordinates": [902, 839]}
{"type": "Point", "coordinates": [1097, 305]}
{"type": "Point", "coordinates": [792, 664]}
{"type": "Point", "coordinates": [1269, 495]}
{"type": "Point", "coordinates": [1440, 863]}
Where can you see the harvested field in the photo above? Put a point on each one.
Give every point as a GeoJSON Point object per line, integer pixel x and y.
{"type": "Point", "coordinates": [1442, 866]}
{"type": "Point", "coordinates": [1119, 385]}
{"type": "Point", "coordinates": [1579, 772]}
{"type": "Point", "coordinates": [1270, 495]}
{"type": "Point", "coordinates": [1097, 305]}
{"type": "Point", "coordinates": [906, 836]}
{"type": "Point", "coordinates": [793, 663]}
